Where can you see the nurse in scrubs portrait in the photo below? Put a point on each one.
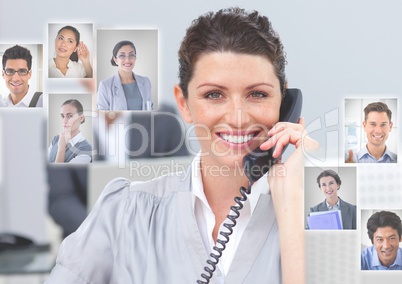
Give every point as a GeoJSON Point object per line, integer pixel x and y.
{"type": "Point", "coordinates": [231, 84]}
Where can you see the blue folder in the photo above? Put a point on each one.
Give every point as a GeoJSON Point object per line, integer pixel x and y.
{"type": "Point", "coordinates": [325, 220]}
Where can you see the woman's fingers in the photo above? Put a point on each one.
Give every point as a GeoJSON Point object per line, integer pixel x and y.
{"type": "Point", "coordinates": [284, 133]}
{"type": "Point", "coordinates": [281, 126]}
{"type": "Point", "coordinates": [281, 135]}
{"type": "Point", "coordinates": [65, 136]}
{"type": "Point", "coordinates": [82, 50]}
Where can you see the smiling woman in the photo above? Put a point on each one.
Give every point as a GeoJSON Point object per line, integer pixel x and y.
{"type": "Point", "coordinates": [231, 86]}
{"type": "Point", "coordinates": [72, 57]}
{"type": "Point", "coordinates": [329, 183]}
{"type": "Point", "coordinates": [237, 110]}
{"type": "Point", "coordinates": [126, 90]}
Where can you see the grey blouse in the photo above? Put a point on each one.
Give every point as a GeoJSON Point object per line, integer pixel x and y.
{"type": "Point", "coordinates": [147, 233]}
{"type": "Point", "coordinates": [82, 147]}
{"type": "Point", "coordinates": [133, 96]}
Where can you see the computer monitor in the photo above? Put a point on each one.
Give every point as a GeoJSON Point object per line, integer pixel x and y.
{"type": "Point", "coordinates": [23, 185]}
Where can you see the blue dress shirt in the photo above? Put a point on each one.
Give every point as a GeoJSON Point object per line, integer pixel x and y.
{"type": "Point", "coordinates": [363, 156]}
{"type": "Point", "coordinates": [370, 260]}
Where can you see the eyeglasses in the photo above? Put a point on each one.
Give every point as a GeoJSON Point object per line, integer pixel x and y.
{"type": "Point", "coordinates": [123, 56]}
{"type": "Point", "coordinates": [11, 72]}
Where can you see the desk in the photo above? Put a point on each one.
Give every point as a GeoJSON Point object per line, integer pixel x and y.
{"type": "Point", "coordinates": [34, 260]}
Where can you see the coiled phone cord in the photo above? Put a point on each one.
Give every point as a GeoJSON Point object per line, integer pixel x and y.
{"type": "Point", "coordinates": [216, 256]}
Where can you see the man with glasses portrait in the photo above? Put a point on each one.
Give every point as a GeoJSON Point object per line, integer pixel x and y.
{"type": "Point", "coordinates": [17, 63]}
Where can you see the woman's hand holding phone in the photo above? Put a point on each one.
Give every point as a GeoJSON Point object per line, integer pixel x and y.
{"type": "Point", "coordinates": [286, 186]}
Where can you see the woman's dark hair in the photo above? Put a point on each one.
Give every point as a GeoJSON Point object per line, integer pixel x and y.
{"type": "Point", "coordinates": [74, 55]}
{"type": "Point", "coordinates": [117, 47]}
{"type": "Point", "coordinates": [230, 30]}
{"type": "Point", "coordinates": [329, 173]}
{"type": "Point", "coordinates": [383, 219]}
{"type": "Point", "coordinates": [75, 103]}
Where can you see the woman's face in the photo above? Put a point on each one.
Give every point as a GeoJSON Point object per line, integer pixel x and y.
{"type": "Point", "coordinates": [329, 187]}
{"type": "Point", "coordinates": [65, 43]}
{"type": "Point", "coordinates": [125, 58]}
{"type": "Point", "coordinates": [233, 100]}
{"type": "Point", "coordinates": [71, 119]}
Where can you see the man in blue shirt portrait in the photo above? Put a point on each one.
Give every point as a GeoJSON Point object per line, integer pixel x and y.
{"type": "Point", "coordinates": [384, 229]}
{"type": "Point", "coordinates": [377, 124]}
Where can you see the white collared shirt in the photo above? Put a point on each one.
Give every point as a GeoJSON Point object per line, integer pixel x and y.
{"type": "Point", "coordinates": [335, 207]}
{"type": "Point", "coordinates": [25, 100]}
{"type": "Point", "coordinates": [75, 70]}
{"type": "Point", "coordinates": [206, 219]}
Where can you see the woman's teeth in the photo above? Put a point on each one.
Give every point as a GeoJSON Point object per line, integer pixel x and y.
{"type": "Point", "coordinates": [237, 139]}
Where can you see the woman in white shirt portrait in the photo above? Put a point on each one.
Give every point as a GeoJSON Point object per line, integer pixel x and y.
{"type": "Point", "coordinates": [70, 146]}
{"type": "Point", "coordinates": [72, 57]}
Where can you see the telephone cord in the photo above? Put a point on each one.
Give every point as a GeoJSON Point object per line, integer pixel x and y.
{"type": "Point", "coordinates": [218, 250]}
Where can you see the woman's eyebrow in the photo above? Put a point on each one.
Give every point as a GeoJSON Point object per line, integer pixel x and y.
{"type": "Point", "coordinates": [212, 85]}
{"type": "Point", "coordinates": [225, 88]}
{"type": "Point", "coordinates": [260, 84]}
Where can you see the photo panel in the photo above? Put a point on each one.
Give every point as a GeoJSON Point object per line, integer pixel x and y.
{"type": "Point", "coordinates": [358, 136]}
{"type": "Point", "coordinates": [381, 247]}
{"type": "Point", "coordinates": [121, 53]}
{"type": "Point", "coordinates": [70, 117]}
{"type": "Point", "coordinates": [30, 83]}
{"type": "Point", "coordinates": [330, 198]}
{"type": "Point", "coordinates": [70, 50]}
